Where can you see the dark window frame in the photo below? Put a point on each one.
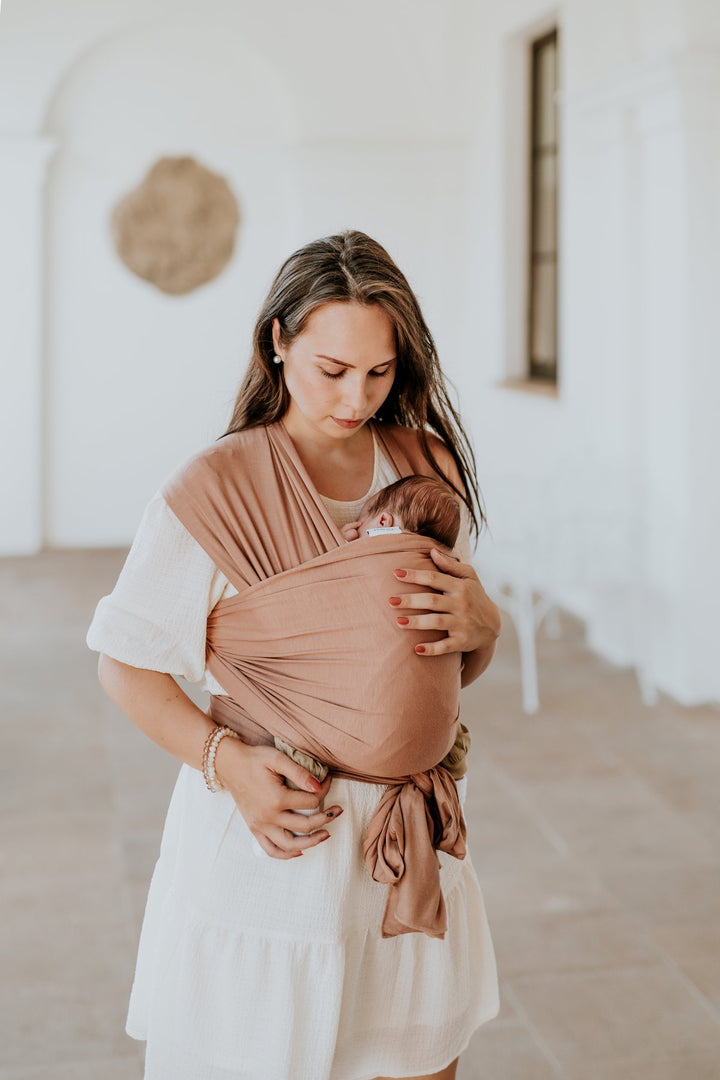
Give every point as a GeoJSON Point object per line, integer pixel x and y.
{"type": "Point", "coordinates": [541, 369]}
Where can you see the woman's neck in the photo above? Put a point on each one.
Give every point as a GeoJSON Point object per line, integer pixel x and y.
{"type": "Point", "coordinates": [341, 469]}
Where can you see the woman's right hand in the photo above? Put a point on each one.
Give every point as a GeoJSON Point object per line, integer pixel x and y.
{"type": "Point", "coordinates": [254, 776]}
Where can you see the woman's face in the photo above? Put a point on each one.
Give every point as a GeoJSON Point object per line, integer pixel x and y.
{"type": "Point", "coordinates": [339, 370]}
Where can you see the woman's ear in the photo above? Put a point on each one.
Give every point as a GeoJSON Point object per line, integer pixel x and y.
{"type": "Point", "coordinates": [386, 521]}
{"type": "Point", "coordinates": [276, 333]}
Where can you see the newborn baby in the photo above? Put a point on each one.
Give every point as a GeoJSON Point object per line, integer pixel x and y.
{"type": "Point", "coordinates": [416, 504]}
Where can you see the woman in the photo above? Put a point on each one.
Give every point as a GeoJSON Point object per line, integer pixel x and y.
{"type": "Point", "coordinates": [249, 968]}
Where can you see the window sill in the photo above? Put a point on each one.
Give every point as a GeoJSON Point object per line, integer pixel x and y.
{"type": "Point", "coordinates": [531, 386]}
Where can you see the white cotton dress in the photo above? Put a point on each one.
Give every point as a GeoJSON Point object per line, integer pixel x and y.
{"type": "Point", "coordinates": [254, 968]}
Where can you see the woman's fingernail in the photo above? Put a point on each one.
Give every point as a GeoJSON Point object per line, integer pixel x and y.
{"type": "Point", "coordinates": [419, 648]}
{"type": "Point", "coordinates": [400, 573]}
{"type": "Point", "coordinates": [324, 839]}
{"type": "Point", "coordinates": [395, 600]}
{"type": "Point", "coordinates": [402, 620]}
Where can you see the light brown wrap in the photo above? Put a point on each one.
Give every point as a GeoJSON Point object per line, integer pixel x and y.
{"type": "Point", "coordinates": [309, 652]}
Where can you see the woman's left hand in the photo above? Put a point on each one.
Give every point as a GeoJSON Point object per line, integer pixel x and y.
{"type": "Point", "coordinates": [460, 607]}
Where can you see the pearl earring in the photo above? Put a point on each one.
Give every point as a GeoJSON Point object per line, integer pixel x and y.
{"type": "Point", "coordinates": [277, 359]}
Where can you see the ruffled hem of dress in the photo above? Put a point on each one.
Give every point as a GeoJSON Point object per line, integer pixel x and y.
{"type": "Point", "coordinates": [385, 1068]}
{"type": "Point", "coordinates": [352, 1010]}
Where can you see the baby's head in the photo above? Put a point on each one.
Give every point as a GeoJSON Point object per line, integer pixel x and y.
{"type": "Point", "coordinates": [417, 504]}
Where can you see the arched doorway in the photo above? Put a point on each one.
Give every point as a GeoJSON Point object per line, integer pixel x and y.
{"type": "Point", "coordinates": [135, 380]}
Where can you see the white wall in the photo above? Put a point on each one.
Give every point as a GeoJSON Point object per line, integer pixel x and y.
{"type": "Point", "coordinates": [630, 446]}
{"type": "Point", "coordinates": [138, 379]}
{"type": "Point", "coordinates": [311, 143]}
{"type": "Point", "coordinates": [23, 162]}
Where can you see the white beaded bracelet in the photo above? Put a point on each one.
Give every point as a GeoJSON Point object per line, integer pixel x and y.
{"type": "Point", "coordinates": [210, 750]}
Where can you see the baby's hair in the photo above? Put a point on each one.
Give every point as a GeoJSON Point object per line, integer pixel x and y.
{"type": "Point", "coordinates": [426, 506]}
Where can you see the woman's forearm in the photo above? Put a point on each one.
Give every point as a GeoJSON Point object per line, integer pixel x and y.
{"type": "Point", "coordinates": [255, 776]}
{"type": "Point", "coordinates": [474, 663]}
{"type": "Point", "coordinates": [159, 708]}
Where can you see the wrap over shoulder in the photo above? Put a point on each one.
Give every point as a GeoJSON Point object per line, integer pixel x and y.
{"type": "Point", "coordinates": [308, 651]}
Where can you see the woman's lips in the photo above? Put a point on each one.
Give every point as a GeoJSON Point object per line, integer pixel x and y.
{"type": "Point", "coordinates": [347, 423]}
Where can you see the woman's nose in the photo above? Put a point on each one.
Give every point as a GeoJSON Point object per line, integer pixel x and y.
{"type": "Point", "coordinates": [356, 398]}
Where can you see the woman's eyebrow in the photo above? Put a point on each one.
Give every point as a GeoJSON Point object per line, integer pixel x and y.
{"type": "Point", "coordinates": [321, 356]}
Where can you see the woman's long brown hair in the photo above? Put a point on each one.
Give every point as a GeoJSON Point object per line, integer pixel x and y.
{"type": "Point", "coordinates": [352, 267]}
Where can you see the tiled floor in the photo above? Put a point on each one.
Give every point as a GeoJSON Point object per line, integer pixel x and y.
{"type": "Point", "coordinates": [593, 825]}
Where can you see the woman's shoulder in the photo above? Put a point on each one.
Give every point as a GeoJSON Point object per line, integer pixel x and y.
{"type": "Point", "coordinates": [411, 437]}
{"type": "Point", "coordinates": [230, 454]}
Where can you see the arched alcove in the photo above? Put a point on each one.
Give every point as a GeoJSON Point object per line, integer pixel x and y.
{"type": "Point", "coordinates": [135, 379]}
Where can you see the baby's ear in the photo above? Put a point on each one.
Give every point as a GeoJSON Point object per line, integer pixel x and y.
{"type": "Point", "coordinates": [386, 520]}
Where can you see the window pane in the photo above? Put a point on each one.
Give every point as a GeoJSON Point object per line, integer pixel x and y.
{"type": "Point", "coordinates": [542, 331]}
{"type": "Point", "coordinates": [543, 254]}
{"type": "Point", "coordinates": [545, 204]}
{"type": "Point", "coordinates": [545, 83]}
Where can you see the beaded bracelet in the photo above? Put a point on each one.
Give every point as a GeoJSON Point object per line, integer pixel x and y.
{"type": "Point", "coordinates": [209, 751]}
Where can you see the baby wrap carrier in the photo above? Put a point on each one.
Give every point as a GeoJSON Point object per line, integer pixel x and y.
{"type": "Point", "coordinates": [309, 651]}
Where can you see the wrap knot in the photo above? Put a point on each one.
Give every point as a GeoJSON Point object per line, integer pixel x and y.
{"type": "Point", "coordinates": [411, 821]}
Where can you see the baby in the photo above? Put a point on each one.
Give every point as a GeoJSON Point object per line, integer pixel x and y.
{"type": "Point", "coordinates": [416, 504]}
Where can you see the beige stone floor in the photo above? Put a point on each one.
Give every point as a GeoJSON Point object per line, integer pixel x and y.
{"type": "Point", "coordinates": [593, 825]}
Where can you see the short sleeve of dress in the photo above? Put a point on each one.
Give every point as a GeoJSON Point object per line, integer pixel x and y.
{"type": "Point", "coordinates": [156, 615]}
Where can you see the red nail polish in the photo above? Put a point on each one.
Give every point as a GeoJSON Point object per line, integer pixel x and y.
{"type": "Point", "coordinates": [400, 573]}
{"type": "Point", "coordinates": [402, 620]}
{"type": "Point", "coordinates": [395, 600]}
{"type": "Point", "coordinates": [420, 648]}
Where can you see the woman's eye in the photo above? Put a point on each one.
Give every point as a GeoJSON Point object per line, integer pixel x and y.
{"type": "Point", "coordinates": [339, 374]}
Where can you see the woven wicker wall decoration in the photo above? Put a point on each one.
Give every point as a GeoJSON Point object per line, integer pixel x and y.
{"type": "Point", "coordinates": [177, 228]}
